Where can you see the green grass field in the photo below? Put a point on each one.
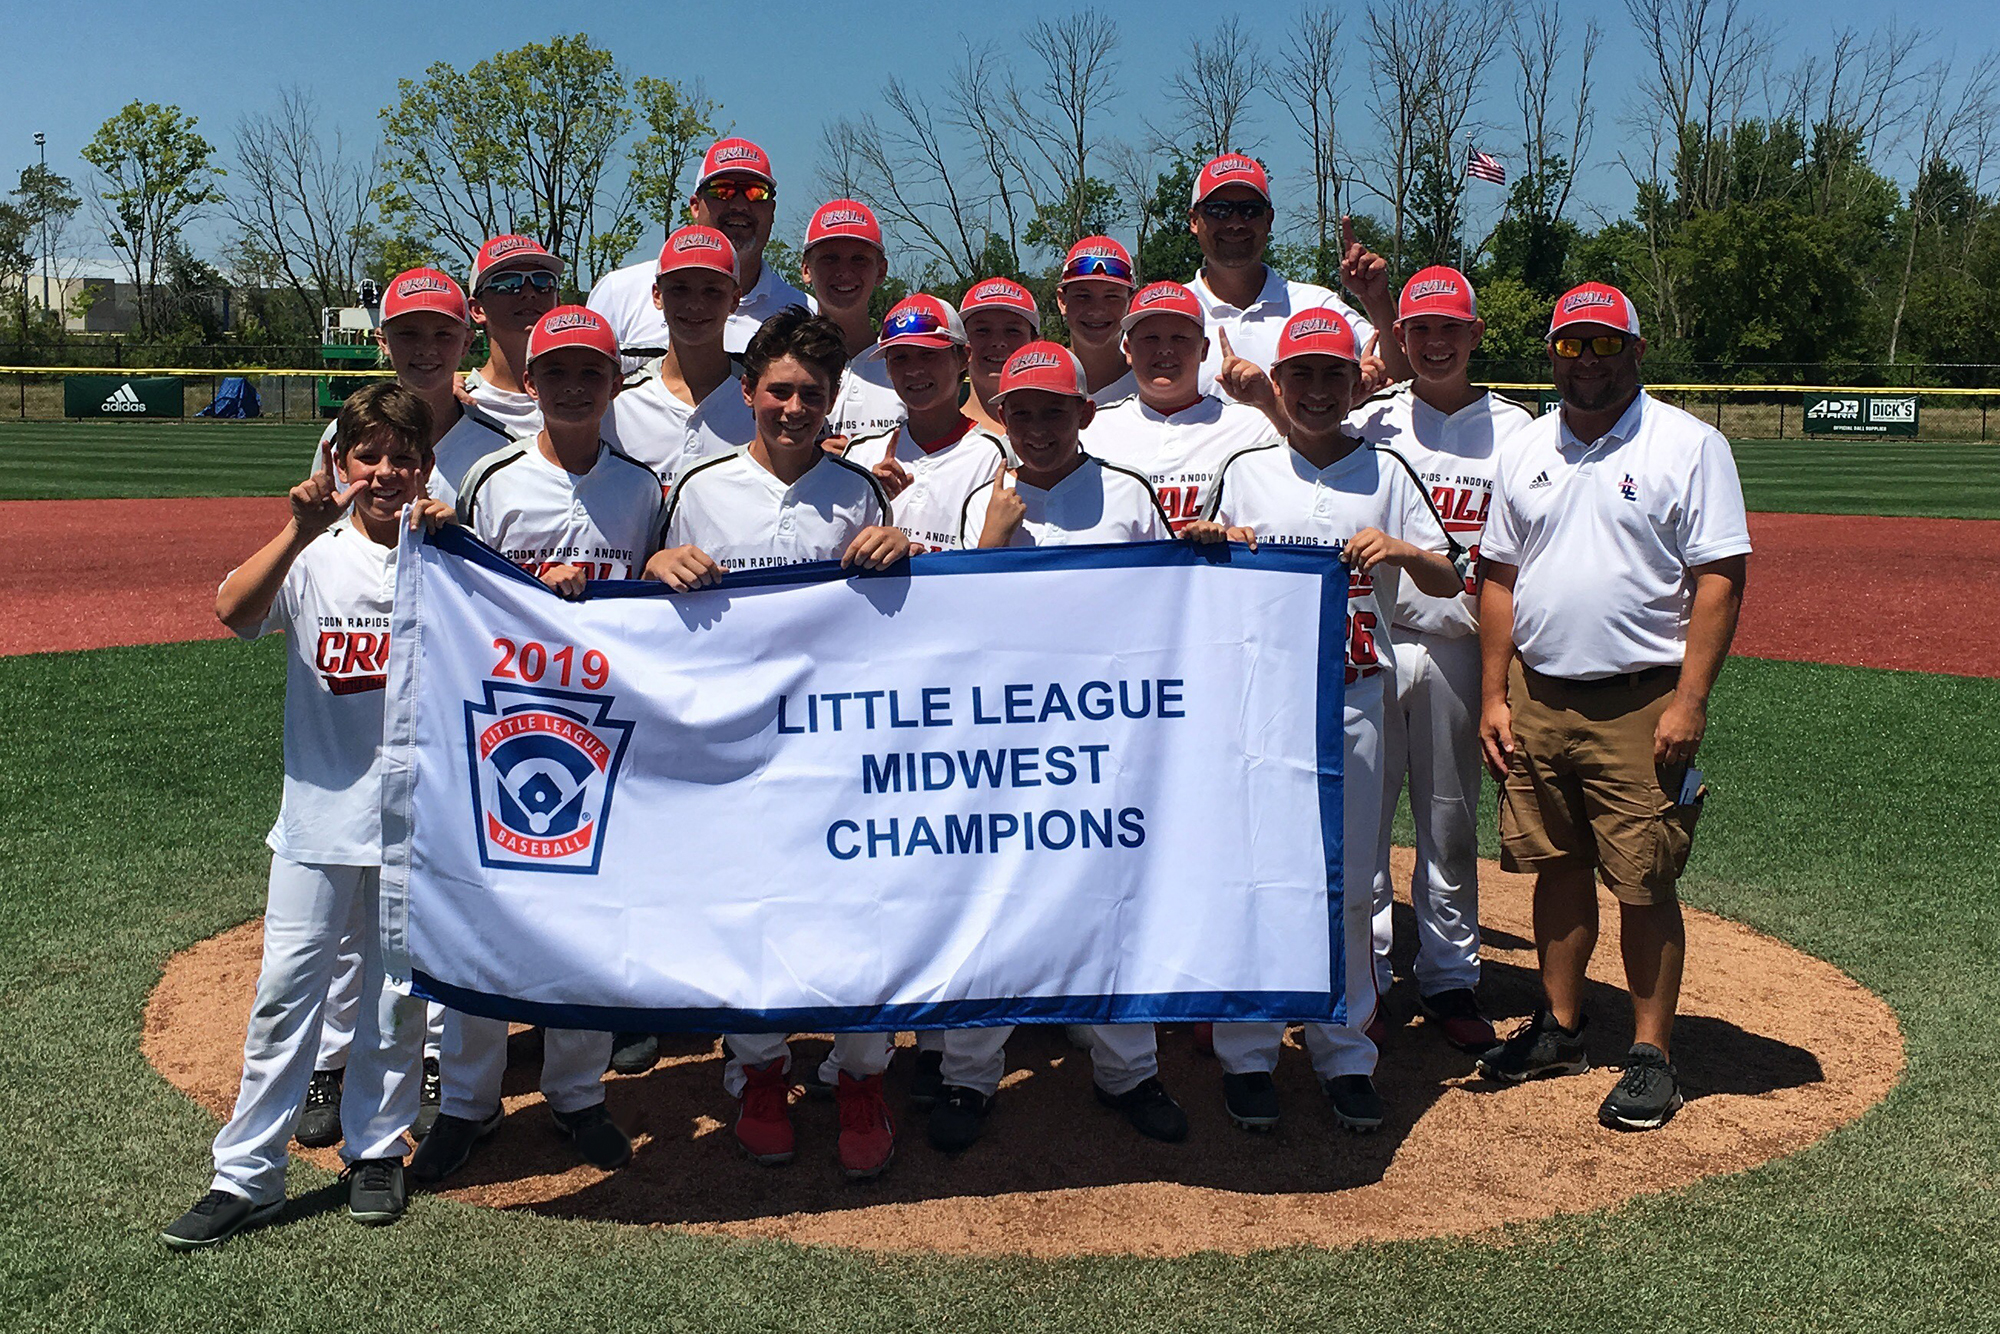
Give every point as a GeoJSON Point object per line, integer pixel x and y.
{"type": "Point", "coordinates": [1853, 816]}
{"type": "Point", "coordinates": [77, 460]}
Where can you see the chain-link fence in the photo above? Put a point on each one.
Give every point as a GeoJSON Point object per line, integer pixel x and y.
{"type": "Point", "coordinates": [52, 395]}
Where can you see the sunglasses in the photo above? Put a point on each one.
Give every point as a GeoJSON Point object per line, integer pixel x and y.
{"type": "Point", "coordinates": [515, 279]}
{"type": "Point", "coordinates": [1248, 209]}
{"type": "Point", "coordinates": [906, 323]}
{"type": "Point", "coordinates": [1098, 266]}
{"type": "Point", "coordinates": [1604, 345]}
{"type": "Point", "coordinates": [756, 192]}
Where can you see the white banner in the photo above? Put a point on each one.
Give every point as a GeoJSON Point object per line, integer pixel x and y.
{"type": "Point", "coordinates": [1087, 785]}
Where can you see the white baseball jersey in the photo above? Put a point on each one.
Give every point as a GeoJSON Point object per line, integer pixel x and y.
{"type": "Point", "coordinates": [1180, 454]}
{"type": "Point", "coordinates": [518, 413]}
{"type": "Point", "coordinates": [1455, 453]}
{"type": "Point", "coordinates": [943, 476]}
{"type": "Point", "coordinates": [471, 438]}
{"type": "Point", "coordinates": [865, 404]}
{"type": "Point", "coordinates": [1604, 533]}
{"type": "Point", "coordinates": [738, 512]}
{"type": "Point", "coordinates": [656, 426]}
{"type": "Point", "coordinates": [1097, 502]}
{"type": "Point", "coordinates": [1275, 492]}
{"type": "Point", "coordinates": [334, 609]}
{"type": "Point", "coordinates": [1118, 391]}
{"type": "Point", "coordinates": [1254, 329]}
{"type": "Point", "coordinates": [538, 514]}
{"type": "Point", "coordinates": [624, 297]}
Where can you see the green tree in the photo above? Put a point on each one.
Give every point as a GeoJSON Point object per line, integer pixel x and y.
{"type": "Point", "coordinates": [1171, 254]}
{"type": "Point", "coordinates": [524, 141]}
{"type": "Point", "coordinates": [17, 258]}
{"type": "Point", "coordinates": [1090, 207]}
{"type": "Point", "coordinates": [156, 176]}
{"type": "Point", "coordinates": [677, 122]}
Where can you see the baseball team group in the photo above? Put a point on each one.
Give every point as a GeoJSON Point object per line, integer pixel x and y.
{"type": "Point", "coordinates": [1550, 598]}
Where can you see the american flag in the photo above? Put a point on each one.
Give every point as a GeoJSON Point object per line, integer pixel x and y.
{"type": "Point", "coordinates": [1486, 168]}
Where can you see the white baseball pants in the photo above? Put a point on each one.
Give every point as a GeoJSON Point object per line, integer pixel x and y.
{"type": "Point", "coordinates": [307, 914]}
{"type": "Point", "coordinates": [475, 1061]}
{"type": "Point", "coordinates": [1337, 1049]}
{"type": "Point", "coordinates": [1122, 1056]}
{"type": "Point", "coordinates": [1431, 732]}
{"type": "Point", "coordinates": [343, 999]}
{"type": "Point", "coordinates": [859, 1054]}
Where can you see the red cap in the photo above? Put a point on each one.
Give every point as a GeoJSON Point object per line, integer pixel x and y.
{"type": "Point", "coordinates": [920, 321]}
{"type": "Point", "coordinates": [424, 289]}
{"type": "Point", "coordinates": [1001, 294]}
{"type": "Point", "coordinates": [1047, 366]}
{"type": "Point", "coordinates": [1163, 299]}
{"type": "Point", "coordinates": [729, 156]}
{"type": "Point", "coordinates": [572, 326]}
{"type": "Point", "coordinates": [1318, 330]}
{"type": "Point", "coordinates": [846, 220]}
{"type": "Point", "coordinates": [1438, 290]}
{"type": "Point", "coordinates": [512, 252]}
{"type": "Point", "coordinates": [1101, 258]}
{"type": "Point", "coordinates": [1595, 303]}
{"type": "Point", "coordinates": [1231, 169]}
{"type": "Point", "coordinates": [698, 248]}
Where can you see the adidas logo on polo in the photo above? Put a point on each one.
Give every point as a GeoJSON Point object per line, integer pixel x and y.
{"type": "Point", "coordinates": [1540, 481]}
{"type": "Point", "coordinates": [123, 399]}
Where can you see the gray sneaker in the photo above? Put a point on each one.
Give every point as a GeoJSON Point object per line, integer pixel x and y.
{"type": "Point", "coordinates": [215, 1218]}
{"type": "Point", "coordinates": [448, 1145]}
{"type": "Point", "coordinates": [1646, 1095]}
{"type": "Point", "coordinates": [1541, 1046]}
{"type": "Point", "coordinates": [375, 1193]}
{"type": "Point", "coordinates": [319, 1118]}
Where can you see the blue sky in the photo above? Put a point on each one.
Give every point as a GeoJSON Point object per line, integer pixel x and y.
{"type": "Point", "coordinates": [779, 78]}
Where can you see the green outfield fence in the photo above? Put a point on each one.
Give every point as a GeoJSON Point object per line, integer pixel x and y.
{"type": "Point", "coordinates": [1750, 412]}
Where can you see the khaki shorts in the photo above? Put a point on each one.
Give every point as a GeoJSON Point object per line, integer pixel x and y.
{"type": "Point", "coordinates": [1583, 790]}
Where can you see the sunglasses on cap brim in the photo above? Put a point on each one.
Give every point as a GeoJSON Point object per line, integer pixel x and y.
{"type": "Point", "coordinates": [513, 280]}
{"type": "Point", "coordinates": [1220, 209]}
{"type": "Point", "coordinates": [1108, 267]}
{"type": "Point", "coordinates": [1604, 345]}
{"type": "Point", "coordinates": [754, 191]}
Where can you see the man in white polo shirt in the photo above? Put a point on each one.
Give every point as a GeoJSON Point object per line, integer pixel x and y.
{"type": "Point", "coordinates": [1614, 558]}
{"type": "Point", "coordinates": [1169, 430]}
{"type": "Point", "coordinates": [1231, 215]}
{"type": "Point", "coordinates": [737, 194]}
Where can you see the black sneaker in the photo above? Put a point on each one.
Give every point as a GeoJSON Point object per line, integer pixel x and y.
{"type": "Point", "coordinates": [1151, 1110]}
{"type": "Point", "coordinates": [927, 1080]}
{"type": "Point", "coordinates": [375, 1190]}
{"type": "Point", "coordinates": [634, 1053]}
{"type": "Point", "coordinates": [1541, 1046]}
{"type": "Point", "coordinates": [427, 1109]}
{"type": "Point", "coordinates": [1646, 1096]}
{"type": "Point", "coordinates": [1251, 1099]}
{"type": "Point", "coordinates": [215, 1218]}
{"type": "Point", "coordinates": [958, 1118]}
{"type": "Point", "coordinates": [598, 1141]}
{"type": "Point", "coordinates": [448, 1145]}
{"type": "Point", "coordinates": [319, 1118]}
{"type": "Point", "coordinates": [1356, 1104]}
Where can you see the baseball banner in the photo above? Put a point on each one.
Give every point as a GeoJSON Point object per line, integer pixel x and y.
{"type": "Point", "coordinates": [1085, 785]}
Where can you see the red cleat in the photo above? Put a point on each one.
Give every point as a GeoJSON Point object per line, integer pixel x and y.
{"type": "Point", "coordinates": [764, 1114]}
{"type": "Point", "coordinates": [1204, 1039]}
{"type": "Point", "coordinates": [867, 1136]}
{"type": "Point", "coordinates": [1378, 1028]}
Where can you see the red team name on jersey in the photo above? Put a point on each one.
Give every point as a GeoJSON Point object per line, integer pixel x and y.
{"type": "Point", "coordinates": [353, 661]}
{"type": "Point", "coordinates": [1182, 504]}
{"type": "Point", "coordinates": [1363, 659]}
{"type": "Point", "coordinates": [592, 569]}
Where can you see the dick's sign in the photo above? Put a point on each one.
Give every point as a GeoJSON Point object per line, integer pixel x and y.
{"type": "Point", "coordinates": [1861, 414]}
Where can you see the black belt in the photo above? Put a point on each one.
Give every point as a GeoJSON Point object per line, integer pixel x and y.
{"type": "Point", "coordinates": [1629, 680]}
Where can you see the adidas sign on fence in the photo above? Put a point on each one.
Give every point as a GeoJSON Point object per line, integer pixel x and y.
{"type": "Point", "coordinates": [124, 395]}
{"type": "Point", "coordinates": [123, 399]}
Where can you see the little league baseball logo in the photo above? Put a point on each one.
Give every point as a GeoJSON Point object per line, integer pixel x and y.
{"type": "Point", "coordinates": [544, 764]}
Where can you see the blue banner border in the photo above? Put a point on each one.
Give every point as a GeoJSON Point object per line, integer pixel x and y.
{"type": "Point", "coordinates": [1170, 1007]}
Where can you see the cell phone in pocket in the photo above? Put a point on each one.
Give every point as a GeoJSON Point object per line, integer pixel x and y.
{"type": "Point", "coordinates": [1691, 793]}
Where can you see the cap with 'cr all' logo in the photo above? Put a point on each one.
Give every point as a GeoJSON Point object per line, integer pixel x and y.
{"type": "Point", "coordinates": [424, 289]}
{"type": "Point", "coordinates": [843, 220]}
{"type": "Point", "coordinates": [1595, 303]}
{"type": "Point", "coordinates": [572, 326]}
{"type": "Point", "coordinates": [1162, 299]}
{"type": "Point", "coordinates": [730, 156]}
{"type": "Point", "coordinates": [1317, 331]}
{"type": "Point", "coordinates": [1001, 294]}
{"type": "Point", "coordinates": [1438, 290]}
{"type": "Point", "coordinates": [1050, 367]}
{"type": "Point", "coordinates": [1231, 169]}
{"type": "Point", "coordinates": [698, 248]}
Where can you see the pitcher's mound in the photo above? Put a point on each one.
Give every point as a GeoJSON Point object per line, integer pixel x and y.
{"type": "Point", "coordinates": [1775, 1049]}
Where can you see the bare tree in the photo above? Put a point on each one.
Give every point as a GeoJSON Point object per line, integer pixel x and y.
{"type": "Point", "coordinates": [1854, 101]}
{"type": "Point", "coordinates": [1703, 55]}
{"type": "Point", "coordinates": [902, 167]}
{"type": "Point", "coordinates": [1055, 113]}
{"type": "Point", "coordinates": [1307, 81]}
{"type": "Point", "coordinates": [1955, 122]}
{"type": "Point", "coordinates": [300, 203]}
{"type": "Point", "coordinates": [1135, 174]}
{"type": "Point", "coordinates": [1213, 90]}
{"type": "Point", "coordinates": [978, 110]}
{"type": "Point", "coordinates": [1555, 129]}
